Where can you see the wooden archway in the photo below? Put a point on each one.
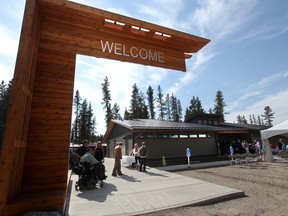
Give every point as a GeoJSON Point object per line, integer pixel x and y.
{"type": "Point", "coordinates": [34, 155]}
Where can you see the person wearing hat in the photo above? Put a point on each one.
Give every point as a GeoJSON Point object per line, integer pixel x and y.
{"type": "Point", "coordinates": [117, 158]}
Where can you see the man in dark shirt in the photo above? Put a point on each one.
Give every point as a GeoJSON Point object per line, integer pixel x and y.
{"type": "Point", "coordinates": [143, 156]}
{"type": "Point", "coordinates": [82, 150]}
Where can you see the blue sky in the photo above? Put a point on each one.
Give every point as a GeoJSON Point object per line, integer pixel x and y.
{"type": "Point", "coordinates": [247, 58]}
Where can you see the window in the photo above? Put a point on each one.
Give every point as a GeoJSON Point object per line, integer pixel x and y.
{"type": "Point", "coordinates": [183, 136]}
{"type": "Point", "coordinates": [202, 136]}
{"type": "Point", "coordinates": [209, 135]}
{"type": "Point", "coordinates": [193, 136]}
{"type": "Point", "coordinates": [173, 136]}
{"type": "Point", "coordinates": [142, 136]}
{"type": "Point", "coordinates": [151, 136]}
{"type": "Point", "coordinates": [162, 136]}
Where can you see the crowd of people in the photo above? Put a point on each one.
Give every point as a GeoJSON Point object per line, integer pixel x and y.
{"type": "Point", "coordinates": [96, 155]}
{"type": "Point", "coordinates": [242, 147]}
{"type": "Point", "coordinates": [93, 156]}
{"type": "Point", "coordinates": [140, 154]}
{"type": "Point", "coordinates": [281, 147]}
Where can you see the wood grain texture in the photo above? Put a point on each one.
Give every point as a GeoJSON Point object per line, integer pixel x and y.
{"type": "Point", "coordinates": [35, 150]}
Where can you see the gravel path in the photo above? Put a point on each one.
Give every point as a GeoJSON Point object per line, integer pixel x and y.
{"type": "Point", "coordinates": [265, 186]}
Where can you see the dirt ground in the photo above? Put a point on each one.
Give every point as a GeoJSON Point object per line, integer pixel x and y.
{"type": "Point", "coordinates": [265, 186]}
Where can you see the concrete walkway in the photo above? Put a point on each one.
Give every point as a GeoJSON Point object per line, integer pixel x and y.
{"type": "Point", "coordinates": [136, 193]}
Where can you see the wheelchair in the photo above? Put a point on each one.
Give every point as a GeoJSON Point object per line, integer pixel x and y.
{"type": "Point", "coordinates": [89, 175]}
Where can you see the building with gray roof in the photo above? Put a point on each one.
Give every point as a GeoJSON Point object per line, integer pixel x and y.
{"type": "Point", "coordinates": [171, 139]}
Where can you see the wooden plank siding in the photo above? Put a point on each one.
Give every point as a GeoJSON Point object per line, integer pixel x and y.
{"type": "Point", "coordinates": [87, 42]}
{"type": "Point", "coordinates": [16, 128]}
{"type": "Point", "coordinates": [35, 150]}
{"type": "Point", "coordinates": [46, 165]}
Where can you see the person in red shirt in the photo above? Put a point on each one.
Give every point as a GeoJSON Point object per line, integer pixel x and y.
{"type": "Point", "coordinates": [118, 157]}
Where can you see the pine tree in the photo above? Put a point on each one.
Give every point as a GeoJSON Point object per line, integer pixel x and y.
{"type": "Point", "coordinates": [5, 91]}
{"type": "Point", "coordinates": [150, 98]}
{"type": "Point", "coordinates": [127, 115]}
{"type": "Point", "coordinates": [187, 116]}
{"type": "Point", "coordinates": [138, 108]}
{"type": "Point", "coordinates": [77, 106]}
{"type": "Point", "coordinates": [83, 121]}
{"type": "Point", "coordinates": [250, 119]}
{"type": "Point", "coordinates": [219, 104]}
{"type": "Point", "coordinates": [134, 102]}
{"type": "Point", "coordinates": [195, 107]}
{"type": "Point", "coordinates": [179, 106]}
{"type": "Point", "coordinates": [241, 119]}
{"type": "Point", "coordinates": [254, 119]}
{"type": "Point", "coordinates": [168, 107]}
{"type": "Point", "coordinates": [244, 121]}
{"type": "Point", "coordinates": [91, 123]}
{"type": "Point", "coordinates": [238, 119]}
{"type": "Point", "coordinates": [259, 120]}
{"type": "Point", "coordinates": [174, 108]}
{"type": "Point", "coordinates": [210, 111]}
{"type": "Point", "coordinates": [268, 116]}
{"type": "Point", "coordinates": [106, 101]}
{"type": "Point", "coordinates": [143, 108]}
{"type": "Point", "coordinates": [84, 124]}
{"type": "Point", "coordinates": [161, 103]}
{"type": "Point", "coordinates": [115, 112]}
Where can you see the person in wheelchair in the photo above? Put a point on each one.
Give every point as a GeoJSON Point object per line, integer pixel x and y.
{"type": "Point", "coordinates": [92, 166]}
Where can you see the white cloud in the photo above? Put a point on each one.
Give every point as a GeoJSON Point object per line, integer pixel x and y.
{"type": "Point", "coordinates": [6, 73]}
{"type": "Point", "coordinates": [270, 79]}
{"type": "Point", "coordinates": [267, 30]}
{"type": "Point", "coordinates": [104, 5]}
{"type": "Point", "coordinates": [9, 42]}
{"type": "Point", "coordinates": [200, 59]}
{"type": "Point", "coordinates": [277, 102]}
{"type": "Point", "coordinates": [255, 89]}
{"type": "Point", "coordinates": [221, 18]}
{"type": "Point", "coordinates": [85, 2]}
{"type": "Point", "coordinates": [91, 72]}
{"type": "Point", "coordinates": [163, 12]}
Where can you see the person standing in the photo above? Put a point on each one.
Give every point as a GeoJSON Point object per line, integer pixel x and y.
{"type": "Point", "coordinates": [281, 144]}
{"type": "Point", "coordinates": [99, 152]}
{"type": "Point", "coordinates": [117, 158]}
{"type": "Point", "coordinates": [135, 152]}
{"type": "Point", "coordinates": [143, 156]}
{"type": "Point", "coordinates": [257, 147]}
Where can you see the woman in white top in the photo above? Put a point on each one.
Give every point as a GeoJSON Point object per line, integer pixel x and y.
{"type": "Point", "coordinates": [135, 152]}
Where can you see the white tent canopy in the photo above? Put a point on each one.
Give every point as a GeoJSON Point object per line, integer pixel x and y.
{"type": "Point", "coordinates": [279, 129]}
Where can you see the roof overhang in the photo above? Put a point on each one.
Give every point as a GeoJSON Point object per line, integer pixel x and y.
{"type": "Point", "coordinates": [233, 132]}
{"type": "Point", "coordinates": [94, 32]}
